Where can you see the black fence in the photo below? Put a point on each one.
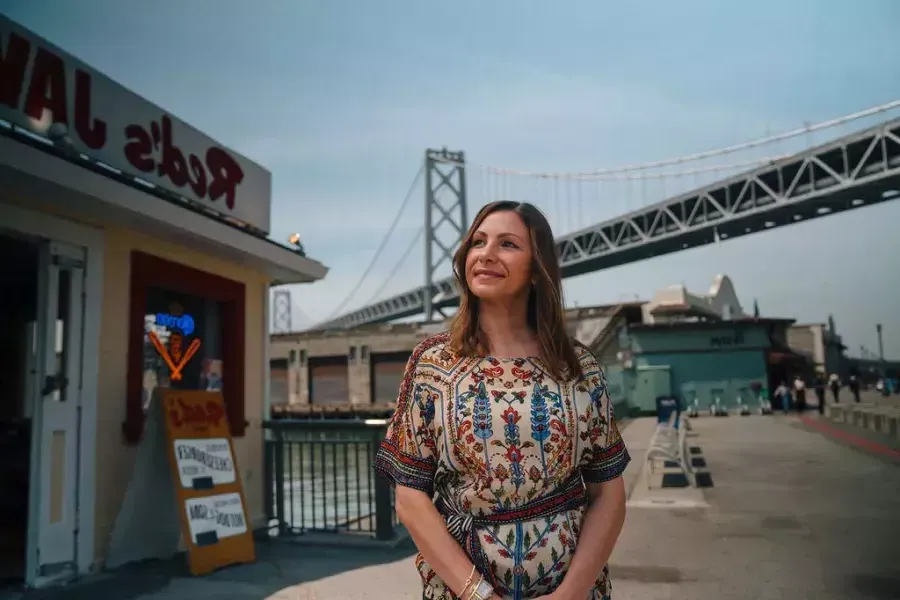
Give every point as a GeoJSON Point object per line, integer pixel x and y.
{"type": "Point", "coordinates": [319, 478]}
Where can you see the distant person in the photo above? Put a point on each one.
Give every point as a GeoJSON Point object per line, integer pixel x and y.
{"type": "Point", "coordinates": [853, 384]}
{"type": "Point", "coordinates": [527, 476]}
{"type": "Point", "coordinates": [800, 392]}
{"type": "Point", "coordinates": [834, 383]}
{"type": "Point", "coordinates": [820, 392]}
{"type": "Point", "coordinates": [784, 396]}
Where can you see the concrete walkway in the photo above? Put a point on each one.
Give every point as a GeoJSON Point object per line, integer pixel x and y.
{"type": "Point", "coordinates": [792, 514]}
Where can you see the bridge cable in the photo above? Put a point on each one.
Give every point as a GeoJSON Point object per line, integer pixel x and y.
{"type": "Point", "coordinates": [806, 129]}
{"type": "Point", "coordinates": [381, 246]}
{"type": "Point", "coordinates": [403, 258]}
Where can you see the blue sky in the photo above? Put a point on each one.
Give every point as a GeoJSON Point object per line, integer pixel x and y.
{"type": "Point", "coordinates": [340, 98]}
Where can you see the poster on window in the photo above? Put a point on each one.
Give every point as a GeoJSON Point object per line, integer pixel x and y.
{"type": "Point", "coordinates": [214, 518]}
{"type": "Point", "coordinates": [204, 463]}
{"type": "Point", "coordinates": [211, 375]}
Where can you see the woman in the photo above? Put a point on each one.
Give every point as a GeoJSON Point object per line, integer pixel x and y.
{"type": "Point", "coordinates": [499, 425]}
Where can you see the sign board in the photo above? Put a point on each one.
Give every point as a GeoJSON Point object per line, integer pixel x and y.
{"type": "Point", "coordinates": [208, 487]}
{"type": "Point", "coordinates": [42, 86]}
{"type": "Point", "coordinates": [215, 518]}
{"type": "Point", "coordinates": [204, 463]}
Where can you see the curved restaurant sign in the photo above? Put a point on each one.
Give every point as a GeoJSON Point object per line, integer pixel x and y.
{"type": "Point", "coordinates": [40, 85]}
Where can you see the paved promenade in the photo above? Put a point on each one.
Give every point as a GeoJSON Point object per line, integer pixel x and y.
{"type": "Point", "coordinates": [793, 514]}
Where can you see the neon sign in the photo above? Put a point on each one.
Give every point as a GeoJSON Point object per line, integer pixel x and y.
{"type": "Point", "coordinates": [174, 368]}
{"type": "Point", "coordinates": [183, 322]}
{"type": "Point", "coordinates": [175, 356]}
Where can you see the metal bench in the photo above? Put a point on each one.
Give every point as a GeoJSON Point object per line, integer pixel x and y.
{"type": "Point", "coordinates": [669, 444]}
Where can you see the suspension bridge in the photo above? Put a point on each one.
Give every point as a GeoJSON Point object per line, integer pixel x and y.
{"type": "Point", "coordinates": [671, 205]}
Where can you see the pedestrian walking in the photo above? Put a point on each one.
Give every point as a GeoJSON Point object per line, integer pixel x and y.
{"type": "Point", "coordinates": [835, 384]}
{"type": "Point", "coordinates": [854, 387]}
{"type": "Point", "coordinates": [820, 392]}
{"type": "Point", "coordinates": [800, 393]}
{"type": "Point", "coordinates": [783, 393]}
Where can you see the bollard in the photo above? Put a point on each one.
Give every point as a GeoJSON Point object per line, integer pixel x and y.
{"type": "Point", "coordinates": [893, 425]}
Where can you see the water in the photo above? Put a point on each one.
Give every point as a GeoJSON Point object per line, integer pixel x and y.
{"type": "Point", "coordinates": [329, 483]}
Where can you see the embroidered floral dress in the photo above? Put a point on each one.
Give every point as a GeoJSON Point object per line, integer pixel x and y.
{"type": "Point", "coordinates": [504, 451]}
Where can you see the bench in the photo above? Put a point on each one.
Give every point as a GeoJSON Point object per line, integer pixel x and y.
{"type": "Point", "coordinates": [669, 444]}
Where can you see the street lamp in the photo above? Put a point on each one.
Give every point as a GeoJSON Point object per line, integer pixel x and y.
{"type": "Point", "coordinates": [294, 240]}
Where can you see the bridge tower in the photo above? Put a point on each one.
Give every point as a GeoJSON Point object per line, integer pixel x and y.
{"type": "Point", "coordinates": [443, 171]}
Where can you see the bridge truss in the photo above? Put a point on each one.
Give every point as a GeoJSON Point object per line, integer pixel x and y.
{"type": "Point", "coordinates": [857, 170]}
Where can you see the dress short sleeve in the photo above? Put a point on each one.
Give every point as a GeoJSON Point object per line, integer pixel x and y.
{"type": "Point", "coordinates": [407, 455]}
{"type": "Point", "coordinates": [603, 453]}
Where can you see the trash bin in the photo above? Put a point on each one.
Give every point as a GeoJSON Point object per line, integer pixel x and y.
{"type": "Point", "coordinates": [665, 406]}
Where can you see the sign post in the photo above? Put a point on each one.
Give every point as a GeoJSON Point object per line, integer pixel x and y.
{"type": "Point", "coordinates": [208, 488]}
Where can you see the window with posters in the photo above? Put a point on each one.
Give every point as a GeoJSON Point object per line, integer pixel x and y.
{"type": "Point", "coordinates": [186, 332]}
{"type": "Point", "coordinates": [182, 343]}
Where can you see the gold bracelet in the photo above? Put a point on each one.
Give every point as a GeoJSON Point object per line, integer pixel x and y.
{"type": "Point", "coordinates": [470, 589]}
{"type": "Point", "coordinates": [472, 595]}
{"type": "Point", "coordinates": [482, 590]}
{"type": "Point", "coordinates": [468, 582]}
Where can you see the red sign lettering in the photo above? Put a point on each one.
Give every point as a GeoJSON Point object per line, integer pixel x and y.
{"type": "Point", "coordinates": [224, 172]}
{"type": "Point", "coordinates": [186, 415]}
{"type": "Point", "coordinates": [46, 89]}
{"type": "Point", "coordinates": [149, 147]}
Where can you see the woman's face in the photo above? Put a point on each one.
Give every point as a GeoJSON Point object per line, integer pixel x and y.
{"type": "Point", "coordinates": [498, 264]}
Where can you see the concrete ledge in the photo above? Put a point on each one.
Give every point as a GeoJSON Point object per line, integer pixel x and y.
{"type": "Point", "coordinates": [882, 419]}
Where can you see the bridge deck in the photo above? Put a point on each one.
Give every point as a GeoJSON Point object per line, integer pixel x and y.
{"type": "Point", "coordinates": [857, 170]}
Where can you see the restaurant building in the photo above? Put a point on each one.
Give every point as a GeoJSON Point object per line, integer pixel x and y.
{"type": "Point", "coordinates": [117, 220]}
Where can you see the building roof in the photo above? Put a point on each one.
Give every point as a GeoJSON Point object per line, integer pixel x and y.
{"type": "Point", "coordinates": [718, 324]}
{"type": "Point", "coordinates": [720, 301]}
{"type": "Point", "coordinates": [39, 175]}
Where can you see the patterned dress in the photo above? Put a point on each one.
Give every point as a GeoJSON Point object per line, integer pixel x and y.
{"type": "Point", "coordinates": [504, 450]}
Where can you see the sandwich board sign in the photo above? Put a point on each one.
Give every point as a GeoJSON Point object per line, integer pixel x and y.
{"type": "Point", "coordinates": [205, 476]}
{"type": "Point", "coordinates": [185, 492]}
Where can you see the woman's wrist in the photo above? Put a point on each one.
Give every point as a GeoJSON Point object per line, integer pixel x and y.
{"type": "Point", "coordinates": [567, 592]}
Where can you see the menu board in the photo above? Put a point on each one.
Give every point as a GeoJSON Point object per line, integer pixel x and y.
{"type": "Point", "coordinates": [202, 464]}
{"type": "Point", "coordinates": [207, 482]}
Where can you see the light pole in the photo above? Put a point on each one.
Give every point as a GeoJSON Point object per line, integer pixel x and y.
{"type": "Point", "coordinates": [880, 342]}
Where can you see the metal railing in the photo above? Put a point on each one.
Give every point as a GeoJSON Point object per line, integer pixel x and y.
{"type": "Point", "coordinates": [319, 478]}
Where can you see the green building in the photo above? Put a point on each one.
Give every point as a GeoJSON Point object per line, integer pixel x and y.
{"type": "Point", "coordinates": [706, 360]}
{"type": "Point", "coordinates": [689, 345]}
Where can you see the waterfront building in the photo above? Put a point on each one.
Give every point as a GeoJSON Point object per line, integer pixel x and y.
{"type": "Point", "coordinates": [117, 221]}
{"type": "Point", "coordinates": [702, 346]}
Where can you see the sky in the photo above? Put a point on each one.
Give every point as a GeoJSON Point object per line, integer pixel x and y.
{"type": "Point", "coordinates": [340, 98]}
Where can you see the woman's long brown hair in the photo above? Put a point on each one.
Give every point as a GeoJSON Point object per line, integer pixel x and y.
{"type": "Point", "coordinates": [546, 312]}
